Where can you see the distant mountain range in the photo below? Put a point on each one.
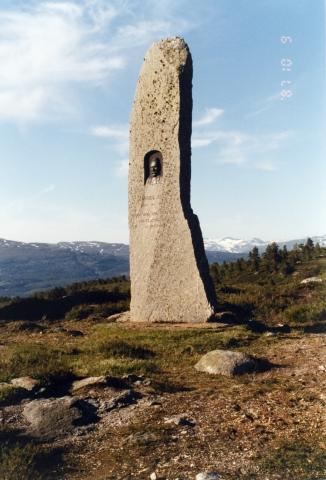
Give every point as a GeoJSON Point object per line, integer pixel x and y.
{"type": "Point", "coordinates": [236, 245]}
{"type": "Point", "coordinates": [29, 267]}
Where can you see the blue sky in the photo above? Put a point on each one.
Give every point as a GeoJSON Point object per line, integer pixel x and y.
{"type": "Point", "coordinates": [67, 81]}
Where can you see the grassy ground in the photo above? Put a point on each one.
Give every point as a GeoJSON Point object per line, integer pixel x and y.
{"type": "Point", "coordinates": [258, 426]}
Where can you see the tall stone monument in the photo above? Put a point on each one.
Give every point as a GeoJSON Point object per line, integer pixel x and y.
{"type": "Point", "coordinates": [169, 272]}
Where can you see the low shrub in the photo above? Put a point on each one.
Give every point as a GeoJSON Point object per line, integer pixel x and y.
{"type": "Point", "coordinates": [104, 310]}
{"type": "Point", "coordinates": [297, 458]}
{"type": "Point", "coordinates": [79, 312]}
{"type": "Point", "coordinates": [19, 461]}
{"type": "Point", "coordinates": [123, 349]}
{"type": "Point", "coordinates": [305, 313]}
{"type": "Point", "coordinates": [39, 361]}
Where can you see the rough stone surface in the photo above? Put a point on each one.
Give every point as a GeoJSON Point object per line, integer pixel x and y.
{"type": "Point", "coordinates": [311, 280]}
{"type": "Point", "coordinates": [224, 317]}
{"type": "Point", "coordinates": [88, 382]}
{"type": "Point", "coordinates": [226, 362]}
{"type": "Point", "coordinates": [208, 476]}
{"type": "Point", "coordinates": [52, 418]}
{"type": "Point", "coordinates": [182, 420]}
{"type": "Point", "coordinates": [170, 279]}
{"type": "Point", "coordinates": [28, 383]}
{"type": "Point", "coordinates": [119, 317]}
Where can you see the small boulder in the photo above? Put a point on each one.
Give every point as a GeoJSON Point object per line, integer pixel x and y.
{"type": "Point", "coordinates": [181, 420]}
{"type": "Point", "coordinates": [311, 280]}
{"type": "Point", "coordinates": [54, 418]}
{"type": "Point", "coordinates": [28, 383]}
{"type": "Point", "coordinates": [224, 317]}
{"type": "Point", "coordinates": [208, 476]}
{"type": "Point", "coordinates": [88, 382]}
{"type": "Point", "coordinates": [123, 399]}
{"type": "Point", "coordinates": [229, 363]}
{"type": "Point", "coordinates": [120, 317]}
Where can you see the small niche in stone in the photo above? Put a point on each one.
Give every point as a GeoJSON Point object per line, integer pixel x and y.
{"type": "Point", "coordinates": [153, 166]}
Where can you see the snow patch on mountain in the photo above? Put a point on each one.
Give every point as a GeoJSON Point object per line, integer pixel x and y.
{"type": "Point", "coordinates": [237, 245]}
{"type": "Point", "coordinates": [233, 245]}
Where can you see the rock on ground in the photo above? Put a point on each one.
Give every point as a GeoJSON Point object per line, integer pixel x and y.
{"type": "Point", "coordinates": [208, 476]}
{"type": "Point", "coordinates": [28, 383]}
{"type": "Point", "coordinates": [226, 362]}
{"type": "Point", "coordinates": [182, 420]}
{"type": "Point", "coordinates": [88, 382]}
{"type": "Point", "coordinates": [52, 418]}
{"type": "Point", "coordinates": [311, 280]}
{"type": "Point", "coordinates": [119, 317]}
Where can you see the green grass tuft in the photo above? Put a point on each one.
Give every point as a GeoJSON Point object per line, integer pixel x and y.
{"type": "Point", "coordinates": [299, 459]}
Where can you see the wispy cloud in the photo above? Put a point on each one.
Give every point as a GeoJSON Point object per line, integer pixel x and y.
{"type": "Point", "coordinates": [48, 47]}
{"type": "Point", "coordinates": [117, 132]}
{"type": "Point", "coordinates": [242, 148]}
{"type": "Point", "coordinates": [44, 49]}
{"type": "Point", "coordinates": [235, 146]}
{"type": "Point", "coordinates": [264, 105]}
{"type": "Point", "coordinates": [266, 166]}
{"type": "Point", "coordinates": [122, 168]}
{"type": "Point", "coordinates": [210, 115]}
{"type": "Point", "coordinates": [117, 136]}
{"type": "Point", "coordinates": [27, 201]}
{"type": "Point", "coordinates": [230, 146]}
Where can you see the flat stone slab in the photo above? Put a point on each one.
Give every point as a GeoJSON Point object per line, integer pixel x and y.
{"type": "Point", "coordinates": [88, 383]}
{"type": "Point", "coordinates": [229, 363]}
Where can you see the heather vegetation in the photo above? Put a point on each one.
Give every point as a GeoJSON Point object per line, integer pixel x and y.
{"type": "Point", "coordinates": [271, 304]}
{"type": "Point", "coordinates": [269, 288]}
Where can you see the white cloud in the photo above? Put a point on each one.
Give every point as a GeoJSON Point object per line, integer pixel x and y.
{"type": "Point", "coordinates": [210, 115]}
{"type": "Point", "coordinates": [264, 105]}
{"type": "Point", "coordinates": [46, 48]}
{"type": "Point", "coordinates": [205, 138]}
{"type": "Point", "coordinates": [266, 166]}
{"type": "Point", "coordinates": [117, 135]}
{"type": "Point", "coordinates": [200, 142]}
{"type": "Point", "coordinates": [116, 132]}
{"type": "Point", "coordinates": [21, 203]}
{"type": "Point", "coordinates": [241, 148]}
{"type": "Point", "coordinates": [122, 168]}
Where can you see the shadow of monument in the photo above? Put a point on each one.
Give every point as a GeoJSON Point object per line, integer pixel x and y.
{"type": "Point", "coordinates": [185, 129]}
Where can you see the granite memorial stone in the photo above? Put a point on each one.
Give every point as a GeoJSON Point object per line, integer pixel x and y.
{"type": "Point", "coordinates": [169, 272]}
